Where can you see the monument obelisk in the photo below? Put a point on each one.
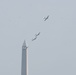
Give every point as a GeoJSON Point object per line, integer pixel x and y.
{"type": "Point", "coordinates": [24, 66]}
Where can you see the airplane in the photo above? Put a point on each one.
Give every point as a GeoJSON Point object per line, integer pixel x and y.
{"type": "Point", "coordinates": [46, 18]}
{"type": "Point", "coordinates": [37, 34]}
{"type": "Point", "coordinates": [34, 38]}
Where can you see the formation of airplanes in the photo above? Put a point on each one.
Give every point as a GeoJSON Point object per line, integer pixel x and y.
{"type": "Point", "coordinates": [36, 35]}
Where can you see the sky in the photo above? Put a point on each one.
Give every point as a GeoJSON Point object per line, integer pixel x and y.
{"type": "Point", "coordinates": [53, 52]}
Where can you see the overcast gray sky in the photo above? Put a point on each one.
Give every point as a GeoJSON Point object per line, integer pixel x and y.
{"type": "Point", "coordinates": [54, 51]}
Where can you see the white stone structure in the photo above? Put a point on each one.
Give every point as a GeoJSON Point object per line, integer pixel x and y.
{"type": "Point", "coordinates": [24, 69]}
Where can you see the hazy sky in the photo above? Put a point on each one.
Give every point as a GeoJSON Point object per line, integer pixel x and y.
{"type": "Point", "coordinates": [54, 51]}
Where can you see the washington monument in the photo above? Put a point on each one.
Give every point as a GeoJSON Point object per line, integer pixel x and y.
{"type": "Point", "coordinates": [24, 65]}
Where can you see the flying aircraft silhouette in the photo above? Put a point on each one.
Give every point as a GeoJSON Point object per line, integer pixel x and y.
{"type": "Point", "coordinates": [45, 18]}
{"type": "Point", "coordinates": [37, 34]}
{"type": "Point", "coordinates": [34, 38]}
